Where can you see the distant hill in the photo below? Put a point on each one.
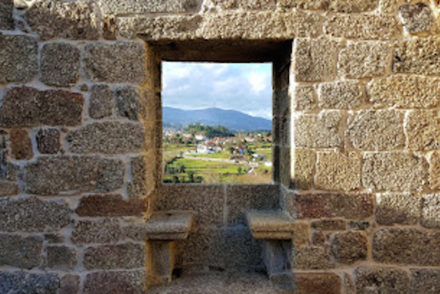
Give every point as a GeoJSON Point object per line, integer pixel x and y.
{"type": "Point", "coordinates": [233, 120]}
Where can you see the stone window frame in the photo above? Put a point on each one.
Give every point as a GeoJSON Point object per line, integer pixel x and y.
{"type": "Point", "coordinates": [276, 52]}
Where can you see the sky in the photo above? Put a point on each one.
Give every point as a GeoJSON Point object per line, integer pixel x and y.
{"type": "Point", "coordinates": [242, 87]}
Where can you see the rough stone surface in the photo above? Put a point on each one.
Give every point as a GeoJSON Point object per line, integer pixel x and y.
{"type": "Point", "coordinates": [73, 174]}
{"type": "Point", "coordinates": [99, 231]}
{"type": "Point", "coordinates": [315, 60]}
{"type": "Point", "coordinates": [337, 171]}
{"type": "Point", "coordinates": [303, 168]}
{"type": "Point", "coordinates": [419, 55]}
{"type": "Point", "coordinates": [330, 225]}
{"type": "Point", "coordinates": [350, 206]}
{"type": "Point", "coordinates": [128, 103]}
{"type": "Point", "coordinates": [154, 6]}
{"type": "Point", "coordinates": [111, 206]}
{"type": "Point", "coordinates": [140, 182]}
{"type": "Point", "coordinates": [101, 102]}
{"type": "Point", "coordinates": [107, 138]}
{"type": "Point", "coordinates": [8, 189]}
{"type": "Point", "coordinates": [349, 247]}
{"type": "Point", "coordinates": [235, 4]}
{"type": "Point", "coordinates": [59, 64]}
{"type": "Point", "coordinates": [115, 63]}
{"type": "Point", "coordinates": [404, 92]}
{"type": "Point", "coordinates": [416, 18]}
{"type": "Point", "coordinates": [33, 215]}
{"type": "Point", "coordinates": [434, 170]}
{"type": "Point", "coordinates": [402, 208]}
{"type": "Point", "coordinates": [24, 282]}
{"type": "Point", "coordinates": [406, 246]}
{"type": "Point", "coordinates": [431, 211]}
{"type": "Point", "coordinates": [115, 282]}
{"type": "Point", "coordinates": [304, 98]}
{"type": "Point", "coordinates": [312, 257]}
{"type": "Point", "coordinates": [423, 130]}
{"type": "Point", "coordinates": [69, 284]}
{"type": "Point", "coordinates": [318, 283]}
{"type": "Point", "coordinates": [344, 95]}
{"type": "Point", "coordinates": [48, 141]}
{"type": "Point", "coordinates": [367, 27]}
{"type": "Point", "coordinates": [6, 20]}
{"type": "Point", "coordinates": [64, 20]}
{"type": "Point", "coordinates": [317, 130]}
{"type": "Point", "coordinates": [28, 107]}
{"type": "Point", "coordinates": [381, 280]}
{"type": "Point", "coordinates": [394, 171]}
{"type": "Point", "coordinates": [332, 5]}
{"type": "Point", "coordinates": [363, 60]}
{"type": "Point", "coordinates": [61, 257]}
{"type": "Point", "coordinates": [122, 256]}
{"type": "Point", "coordinates": [21, 252]}
{"type": "Point", "coordinates": [377, 130]}
{"type": "Point", "coordinates": [18, 58]}
{"type": "Point", "coordinates": [21, 144]}
{"type": "Point", "coordinates": [425, 281]}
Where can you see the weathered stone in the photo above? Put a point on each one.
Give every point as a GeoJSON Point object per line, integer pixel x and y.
{"type": "Point", "coordinates": [33, 215]}
{"type": "Point", "coordinates": [423, 130]}
{"type": "Point", "coordinates": [154, 6]}
{"type": "Point", "coordinates": [54, 238]}
{"type": "Point", "coordinates": [269, 225]}
{"type": "Point", "coordinates": [312, 257]}
{"type": "Point", "coordinates": [110, 205]}
{"type": "Point", "coordinates": [359, 225]}
{"type": "Point", "coordinates": [107, 138]}
{"type": "Point", "coordinates": [8, 189]}
{"type": "Point", "coordinates": [381, 280]}
{"type": "Point", "coordinates": [330, 225]}
{"type": "Point", "coordinates": [394, 171]}
{"type": "Point", "coordinates": [367, 27]}
{"type": "Point", "coordinates": [404, 92]}
{"type": "Point", "coordinates": [425, 281]}
{"type": "Point", "coordinates": [123, 256]}
{"type": "Point", "coordinates": [64, 20]}
{"type": "Point", "coordinates": [164, 226]}
{"type": "Point", "coordinates": [416, 18]}
{"type": "Point", "coordinates": [317, 130]}
{"type": "Point", "coordinates": [115, 63]}
{"type": "Point", "coordinates": [24, 282]}
{"type": "Point", "coordinates": [59, 64]}
{"type": "Point", "coordinates": [315, 60]}
{"type": "Point", "coordinates": [6, 20]}
{"type": "Point", "coordinates": [407, 246]}
{"type": "Point", "coordinates": [99, 231]}
{"type": "Point", "coordinates": [350, 206]}
{"type": "Point", "coordinates": [241, 198]}
{"type": "Point", "coordinates": [69, 284]}
{"type": "Point", "coordinates": [304, 98]}
{"type": "Point", "coordinates": [402, 208]}
{"type": "Point", "coordinates": [337, 171]}
{"type": "Point", "coordinates": [389, 6]}
{"type": "Point", "coordinates": [73, 174]}
{"type": "Point", "coordinates": [377, 130]}
{"type": "Point", "coordinates": [128, 103]}
{"type": "Point", "coordinates": [317, 283]}
{"type": "Point", "coordinates": [332, 5]}
{"type": "Point", "coordinates": [418, 55]}
{"type": "Point", "coordinates": [21, 252]}
{"type": "Point", "coordinates": [61, 257]}
{"type": "Point", "coordinates": [130, 282]}
{"type": "Point", "coordinates": [138, 186]}
{"type": "Point", "coordinates": [21, 144]}
{"type": "Point", "coordinates": [28, 107]}
{"type": "Point", "coordinates": [18, 58]}
{"type": "Point", "coordinates": [101, 102]}
{"type": "Point", "coordinates": [363, 60]}
{"type": "Point", "coordinates": [48, 141]}
{"type": "Point", "coordinates": [434, 170]}
{"type": "Point", "coordinates": [431, 211]}
{"type": "Point", "coordinates": [344, 95]}
{"type": "Point", "coordinates": [303, 168]}
{"type": "Point", "coordinates": [349, 247]}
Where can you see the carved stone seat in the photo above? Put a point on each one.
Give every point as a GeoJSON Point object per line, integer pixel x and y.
{"type": "Point", "coordinates": [162, 230]}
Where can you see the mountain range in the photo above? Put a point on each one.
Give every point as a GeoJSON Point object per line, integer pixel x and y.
{"type": "Point", "coordinates": [233, 120]}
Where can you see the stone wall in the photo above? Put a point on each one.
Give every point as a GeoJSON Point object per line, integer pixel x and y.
{"type": "Point", "coordinates": [358, 130]}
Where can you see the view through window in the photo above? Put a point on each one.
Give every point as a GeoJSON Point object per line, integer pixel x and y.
{"type": "Point", "coordinates": [217, 122]}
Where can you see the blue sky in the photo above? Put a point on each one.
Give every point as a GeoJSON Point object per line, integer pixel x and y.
{"type": "Point", "coordinates": [243, 87]}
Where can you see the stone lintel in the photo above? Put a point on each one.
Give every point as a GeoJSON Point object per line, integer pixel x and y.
{"type": "Point", "coordinates": [270, 225]}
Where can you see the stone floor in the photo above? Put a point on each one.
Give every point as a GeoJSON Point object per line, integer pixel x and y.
{"type": "Point", "coordinates": [219, 283]}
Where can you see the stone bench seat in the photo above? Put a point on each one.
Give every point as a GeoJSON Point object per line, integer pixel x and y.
{"type": "Point", "coordinates": [162, 230]}
{"type": "Point", "coordinates": [270, 225]}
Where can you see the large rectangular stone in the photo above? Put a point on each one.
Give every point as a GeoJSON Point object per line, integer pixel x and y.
{"type": "Point", "coordinates": [106, 230]}
{"type": "Point", "coordinates": [152, 6]}
{"type": "Point", "coordinates": [423, 130]}
{"type": "Point", "coordinates": [367, 27]}
{"type": "Point", "coordinates": [431, 211]}
{"type": "Point", "coordinates": [6, 20]}
{"type": "Point", "coordinates": [111, 206]}
{"type": "Point", "coordinates": [303, 168]}
{"type": "Point", "coordinates": [425, 281]}
{"type": "Point", "coordinates": [21, 252]}
{"type": "Point", "coordinates": [332, 5]}
{"type": "Point", "coordinates": [18, 57]}
{"type": "Point", "coordinates": [114, 282]}
{"type": "Point", "coordinates": [122, 256]}
{"type": "Point", "coordinates": [25, 282]}
{"type": "Point", "coordinates": [344, 95]}
{"type": "Point", "coordinates": [73, 174]}
{"type": "Point", "coordinates": [398, 208]}
{"type": "Point", "coordinates": [317, 283]}
{"type": "Point", "coordinates": [381, 279]}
